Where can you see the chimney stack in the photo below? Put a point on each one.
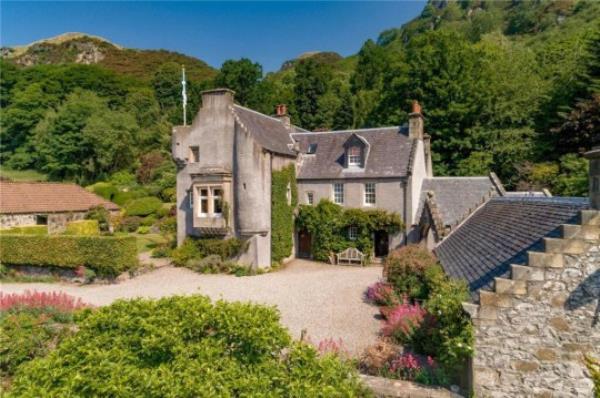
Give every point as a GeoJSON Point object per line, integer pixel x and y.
{"type": "Point", "coordinates": [416, 122]}
{"type": "Point", "coordinates": [594, 173]}
{"type": "Point", "coordinates": [281, 114]}
{"type": "Point", "coordinates": [217, 98]}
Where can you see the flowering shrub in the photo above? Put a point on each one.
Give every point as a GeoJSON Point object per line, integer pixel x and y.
{"type": "Point", "coordinates": [331, 346]}
{"type": "Point", "coordinates": [377, 356]}
{"type": "Point", "coordinates": [403, 320]}
{"type": "Point", "coordinates": [407, 269]}
{"type": "Point", "coordinates": [423, 370]}
{"type": "Point", "coordinates": [382, 293]}
{"type": "Point", "coordinates": [57, 300]}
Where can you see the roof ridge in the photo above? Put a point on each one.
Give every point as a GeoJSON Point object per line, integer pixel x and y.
{"type": "Point", "coordinates": [258, 113]}
{"type": "Point", "coordinates": [350, 130]}
{"type": "Point", "coordinates": [40, 183]}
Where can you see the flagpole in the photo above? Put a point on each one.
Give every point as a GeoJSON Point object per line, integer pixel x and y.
{"type": "Point", "coordinates": [184, 95]}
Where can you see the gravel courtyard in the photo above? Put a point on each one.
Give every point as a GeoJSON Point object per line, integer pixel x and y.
{"type": "Point", "coordinates": [326, 300]}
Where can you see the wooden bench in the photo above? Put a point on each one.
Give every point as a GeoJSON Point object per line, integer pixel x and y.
{"type": "Point", "coordinates": [350, 256]}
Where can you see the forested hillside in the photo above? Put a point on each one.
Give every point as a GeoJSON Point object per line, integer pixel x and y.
{"type": "Point", "coordinates": [505, 86]}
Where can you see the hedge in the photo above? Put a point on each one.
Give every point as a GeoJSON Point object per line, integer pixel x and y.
{"type": "Point", "coordinates": [143, 206]}
{"type": "Point", "coordinates": [83, 227]}
{"type": "Point", "coordinates": [106, 255]}
{"type": "Point", "coordinates": [28, 230]}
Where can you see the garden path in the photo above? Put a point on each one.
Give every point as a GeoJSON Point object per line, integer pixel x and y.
{"type": "Point", "coordinates": [326, 300]}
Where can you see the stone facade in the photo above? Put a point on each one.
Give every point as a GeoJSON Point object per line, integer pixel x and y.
{"type": "Point", "coordinates": [534, 328]}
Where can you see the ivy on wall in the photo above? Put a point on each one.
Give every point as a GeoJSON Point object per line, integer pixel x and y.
{"type": "Point", "coordinates": [284, 198]}
{"type": "Point", "coordinates": [328, 225]}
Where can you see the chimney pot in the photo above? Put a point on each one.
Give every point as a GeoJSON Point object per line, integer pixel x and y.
{"type": "Point", "coordinates": [416, 107]}
{"type": "Point", "coordinates": [281, 110]}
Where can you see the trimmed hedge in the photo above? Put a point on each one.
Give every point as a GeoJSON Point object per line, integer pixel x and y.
{"type": "Point", "coordinates": [28, 230]}
{"type": "Point", "coordinates": [83, 227]}
{"type": "Point", "coordinates": [106, 255]}
{"type": "Point", "coordinates": [143, 206]}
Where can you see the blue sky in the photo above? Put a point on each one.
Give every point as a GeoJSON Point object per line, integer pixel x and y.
{"type": "Point", "coordinates": [267, 32]}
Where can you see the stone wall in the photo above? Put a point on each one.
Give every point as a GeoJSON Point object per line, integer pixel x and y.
{"type": "Point", "coordinates": [533, 329]}
{"type": "Point", "coordinates": [57, 222]}
{"type": "Point", "coordinates": [16, 220]}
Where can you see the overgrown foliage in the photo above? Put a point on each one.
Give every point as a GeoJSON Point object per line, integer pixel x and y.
{"type": "Point", "coordinates": [328, 225]}
{"type": "Point", "coordinates": [106, 255]}
{"type": "Point", "coordinates": [284, 198]}
{"type": "Point", "coordinates": [184, 346]}
{"type": "Point", "coordinates": [406, 269]}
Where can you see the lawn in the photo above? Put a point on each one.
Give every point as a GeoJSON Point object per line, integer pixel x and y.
{"type": "Point", "coordinates": [148, 242]}
{"type": "Point", "coordinates": [22, 175]}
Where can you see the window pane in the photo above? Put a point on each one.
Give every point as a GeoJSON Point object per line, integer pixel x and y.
{"type": "Point", "coordinates": [217, 201]}
{"type": "Point", "coordinates": [204, 206]}
{"type": "Point", "coordinates": [370, 193]}
{"type": "Point", "coordinates": [309, 198]}
{"type": "Point", "coordinates": [353, 233]}
{"type": "Point", "coordinates": [338, 193]}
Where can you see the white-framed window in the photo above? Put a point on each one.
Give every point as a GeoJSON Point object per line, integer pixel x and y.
{"type": "Point", "coordinates": [310, 198]}
{"type": "Point", "coordinates": [338, 193]}
{"type": "Point", "coordinates": [203, 208]}
{"type": "Point", "coordinates": [370, 196]}
{"type": "Point", "coordinates": [217, 197]}
{"type": "Point", "coordinates": [353, 233]}
{"type": "Point", "coordinates": [194, 156]}
{"type": "Point", "coordinates": [354, 156]}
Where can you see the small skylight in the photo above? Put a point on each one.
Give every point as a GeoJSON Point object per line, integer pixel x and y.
{"type": "Point", "coordinates": [312, 149]}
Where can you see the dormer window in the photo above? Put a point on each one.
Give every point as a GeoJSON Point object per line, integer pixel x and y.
{"type": "Point", "coordinates": [354, 156]}
{"type": "Point", "coordinates": [312, 149]}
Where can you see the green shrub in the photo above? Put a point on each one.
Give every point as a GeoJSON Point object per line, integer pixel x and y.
{"type": "Point", "coordinates": [184, 347]}
{"type": "Point", "coordinates": [449, 337]}
{"type": "Point", "coordinates": [106, 255]}
{"type": "Point", "coordinates": [130, 224]}
{"type": "Point", "coordinates": [163, 211]}
{"type": "Point", "coordinates": [83, 227]}
{"type": "Point", "coordinates": [143, 206]}
{"type": "Point", "coordinates": [226, 248]}
{"type": "Point", "coordinates": [143, 230]}
{"type": "Point", "coordinates": [28, 230]}
{"type": "Point", "coordinates": [406, 268]}
{"type": "Point", "coordinates": [26, 334]}
{"type": "Point", "coordinates": [149, 220]}
{"type": "Point", "coordinates": [100, 214]}
{"type": "Point", "coordinates": [593, 366]}
{"type": "Point", "coordinates": [104, 189]}
{"type": "Point", "coordinates": [186, 252]}
{"type": "Point", "coordinates": [121, 198]}
{"type": "Point", "coordinates": [168, 225]}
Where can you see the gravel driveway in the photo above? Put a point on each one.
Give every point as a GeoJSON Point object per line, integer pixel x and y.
{"type": "Point", "coordinates": [325, 300]}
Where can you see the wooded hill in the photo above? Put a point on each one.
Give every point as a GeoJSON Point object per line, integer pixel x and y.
{"type": "Point", "coordinates": [505, 86]}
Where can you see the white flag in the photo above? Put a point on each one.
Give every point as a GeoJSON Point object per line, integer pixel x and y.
{"type": "Point", "coordinates": [183, 93]}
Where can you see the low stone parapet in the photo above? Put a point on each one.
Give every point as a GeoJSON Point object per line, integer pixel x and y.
{"type": "Point", "coordinates": [391, 388]}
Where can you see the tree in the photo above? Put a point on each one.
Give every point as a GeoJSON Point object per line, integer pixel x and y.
{"type": "Point", "coordinates": [84, 139]}
{"type": "Point", "coordinates": [372, 60]}
{"type": "Point", "coordinates": [310, 84]}
{"type": "Point", "coordinates": [344, 114]}
{"type": "Point", "coordinates": [242, 76]}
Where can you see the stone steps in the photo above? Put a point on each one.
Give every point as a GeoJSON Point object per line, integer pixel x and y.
{"type": "Point", "coordinates": [566, 246]}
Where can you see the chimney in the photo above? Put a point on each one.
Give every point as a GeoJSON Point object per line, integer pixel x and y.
{"type": "Point", "coordinates": [281, 114]}
{"type": "Point", "coordinates": [217, 98]}
{"type": "Point", "coordinates": [415, 122]}
{"type": "Point", "coordinates": [594, 173]}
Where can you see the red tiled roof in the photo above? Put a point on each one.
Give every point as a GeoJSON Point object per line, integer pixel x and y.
{"type": "Point", "coordinates": [43, 197]}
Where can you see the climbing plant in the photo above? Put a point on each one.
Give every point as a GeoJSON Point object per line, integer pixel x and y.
{"type": "Point", "coordinates": [284, 198]}
{"type": "Point", "coordinates": [328, 225]}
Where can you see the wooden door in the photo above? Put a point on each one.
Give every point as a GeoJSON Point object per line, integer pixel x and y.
{"type": "Point", "coordinates": [304, 244]}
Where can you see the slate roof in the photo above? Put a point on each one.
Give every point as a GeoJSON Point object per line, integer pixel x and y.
{"type": "Point", "coordinates": [500, 233]}
{"type": "Point", "coordinates": [389, 153]}
{"type": "Point", "coordinates": [44, 197]}
{"type": "Point", "coordinates": [269, 132]}
{"type": "Point", "coordinates": [456, 197]}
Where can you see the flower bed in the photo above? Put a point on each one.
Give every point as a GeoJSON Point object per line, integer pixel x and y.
{"type": "Point", "coordinates": [422, 311]}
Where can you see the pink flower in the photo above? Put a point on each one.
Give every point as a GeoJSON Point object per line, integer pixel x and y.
{"type": "Point", "coordinates": [57, 300]}
{"type": "Point", "coordinates": [382, 293]}
{"type": "Point", "coordinates": [402, 320]}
